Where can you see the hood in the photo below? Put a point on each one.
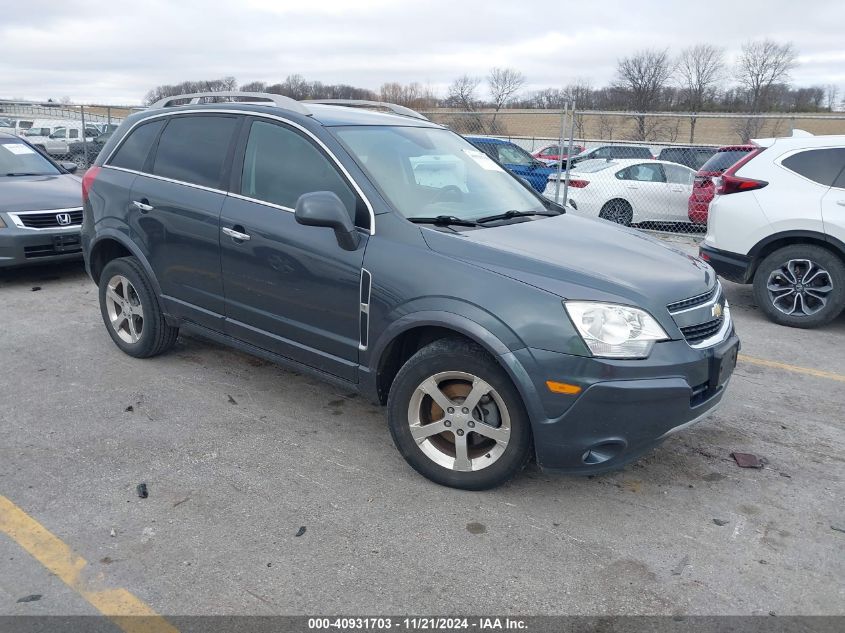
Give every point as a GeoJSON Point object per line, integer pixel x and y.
{"type": "Point", "coordinates": [34, 193]}
{"type": "Point", "coordinates": [583, 258]}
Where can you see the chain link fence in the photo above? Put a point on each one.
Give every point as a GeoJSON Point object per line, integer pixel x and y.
{"type": "Point", "coordinates": [638, 169]}
{"type": "Point", "coordinates": [633, 168]}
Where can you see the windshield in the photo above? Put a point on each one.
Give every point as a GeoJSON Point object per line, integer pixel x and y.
{"type": "Point", "coordinates": [514, 155]}
{"type": "Point", "coordinates": [17, 158]}
{"type": "Point", "coordinates": [428, 172]}
{"type": "Point", "coordinates": [38, 131]}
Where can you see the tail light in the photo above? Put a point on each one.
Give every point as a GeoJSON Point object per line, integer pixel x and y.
{"type": "Point", "coordinates": [88, 180]}
{"type": "Point", "coordinates": [577, 183]}
{"type": "Point", "coordinates": [729, 182]}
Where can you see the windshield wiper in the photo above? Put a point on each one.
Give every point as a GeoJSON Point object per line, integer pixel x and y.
{"type": "Point", "coordinates": [442, 220]}
{"type": "Point", "coordinates": [22, 173]}
{"type": "Point", "coordinates": [507, 215]}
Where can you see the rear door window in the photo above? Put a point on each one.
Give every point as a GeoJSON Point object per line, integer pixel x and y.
{"type": "Point", "coordinates": [132, 153]}
{"type": "Point", "coordinates": [193, 149]}
{"type": "Point", "coordinates": [678, 175]}
{"type": "Point", "coordinates": [819, 165]}
{"type": "Point", "coordinates": [647, 172]}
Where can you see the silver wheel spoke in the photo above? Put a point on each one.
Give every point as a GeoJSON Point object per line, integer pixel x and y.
{"type": "Point", "coordinates": [479, 389]}
{"type": "Point", "coordinates": [421, 431]}
{"type": "Point", "coordinates": [111, 293]}
{"type": "Point", "coordinates": [462, 461]}
{"type": "Point", "coordinates": [138, 311]}
{"type": "Point", "coordinates": [130, 321]}
{"type": "Point", "coordinates": [789, 271]}
{"type": "Point", "coordinates": [431, 388]}
{"type": "Point", "coordinates": [500, 435]}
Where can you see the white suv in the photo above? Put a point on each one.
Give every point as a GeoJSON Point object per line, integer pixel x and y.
{"type": "Point", "coordinates": [778, 221]}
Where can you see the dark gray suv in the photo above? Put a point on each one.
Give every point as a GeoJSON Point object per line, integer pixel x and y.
{"type": "Point", "coordinates": [386, 254]}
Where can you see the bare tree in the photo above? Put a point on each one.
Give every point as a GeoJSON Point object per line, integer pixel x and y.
{"type": "Point", "coordinates": [761, 66]}
{"type": "Point", "coordinates": [831, 96]}
{"type": "Point", "coordinates": [699, 70]}
{"type": "Point", "coordinates": [187, 87]}
{"type": "Point", "coordinates": [644, 76]}
{"type": "Point", "coordinates": [254, 86]}
{"type": "Point", "coordinates": [461, 93]}
{"type": "Point", "coordinates": [504, 83]}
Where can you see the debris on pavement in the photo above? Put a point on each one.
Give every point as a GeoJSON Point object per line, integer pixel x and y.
{"type": "Point", "coordinates": [231, 399]}
{"type": "Point", "coordinates": [301, 531]}
{"type": "Point", "coordinates": [112, 533]}
{"type": "Point", "coordinates": [142, 490]}
{"type": "Point", "coordinates": [747, 460]}
{"type": "Point", "coordinates": [34, 289]}
{"type": "Point", "coordinates": [720, 522]}
{"type": "Point", "coordinates": [476, 528]}
{"type": "Point", "coordinates": [679, 568]}
{"type": "Point", "coordinates": [33, 597]}
{"type": "Point", "coordinates": [838, 528]}
{"type": "Point", "coordinates": [129, 409]}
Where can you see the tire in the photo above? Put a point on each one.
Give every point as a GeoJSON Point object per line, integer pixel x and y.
{"type": "Point", "coordinates": [449, 368]}
{"type": "Point", "coordinates": [79, 159]}
{"type": "Point", "coordinates": [801, 285]}
{"type": "Point", "coordinates": [131, 311]}
{"type": "Point", "coordinates": [618, 211]}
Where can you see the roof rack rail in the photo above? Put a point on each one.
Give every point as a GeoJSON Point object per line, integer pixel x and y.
{"type": "Point", "coordinates": [363, 103]}
{"type": "Point", "coordinates": [255, 98]}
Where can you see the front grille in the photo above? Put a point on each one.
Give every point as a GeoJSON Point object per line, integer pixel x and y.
{"type": "Point", "coordinates": [49, 219]}
{"type": "Point", "coordinates": [697, 333]}
{"type": "Point", "coordinates": [697, 300]}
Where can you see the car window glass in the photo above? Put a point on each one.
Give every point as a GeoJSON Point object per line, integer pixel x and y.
{"type": "Point", "coordinates": [602, 152]}
{"type": "Point", "coordinates": [60, 133]}
{"type": "Point", "coordinates": [513, 156]}
{"type": "Point", "coordinates": [193, 149]}
{"type": "Point", "coordinates": [132, 153]}
{"type": "Point", "coordinates": [723, 159]}
{"type": "Point", "coordinates": [74, 134]}
{"type": "Point", "coordinates": [280, 165]}
{"type": "Point", "coordinates": [840, 180]}
{"type": "Point", "coordinates": [644, 173]}
{"type": "Point", "coordinates": [17, 157]}
{"type": "Point", "coordinates": [678, 175]}
{"type": "Point", "coordinates": [819, 165]}
{"type": "Point", "coordinates": [551, 151]}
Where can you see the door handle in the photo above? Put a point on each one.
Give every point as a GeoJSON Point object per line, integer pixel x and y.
{"type": "Point", "coordinates": [142, 206]}
{"type": "Point", "coordinates": [632, 187]}
{"type": "Point", "coordinates": [235, 235]}
{"type": "Point", "coordinates": [841, 203]}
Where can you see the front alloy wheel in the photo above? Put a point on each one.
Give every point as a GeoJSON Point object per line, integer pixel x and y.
{"type": "Point", "coordinates": [457, 418]}
{"type": "Point", "coordinates": [459, 421]}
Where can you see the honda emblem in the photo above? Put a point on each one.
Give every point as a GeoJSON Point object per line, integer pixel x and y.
{"type": "Point", "coordinates": [63, 219]}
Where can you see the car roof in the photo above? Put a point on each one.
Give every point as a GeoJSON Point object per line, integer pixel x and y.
{"type": "Point", "coordinates": [627, 162]}
{"type": "Point", "coordinates": [802, 141]}
{"type": "Point", "coordinates": [326, 114]}
{"type": "Point", "coordinates": [486, 139]}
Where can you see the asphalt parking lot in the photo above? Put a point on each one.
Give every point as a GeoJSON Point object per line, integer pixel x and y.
{"type": "Point", "coordinates": [273, 493]}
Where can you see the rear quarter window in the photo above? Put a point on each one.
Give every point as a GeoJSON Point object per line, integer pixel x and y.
{"type": "Point", "coordinates": [132, 153]}
{"type": "Point", "coordinates": [819, 165]}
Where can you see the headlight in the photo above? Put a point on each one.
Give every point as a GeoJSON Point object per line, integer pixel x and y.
{"type": "Point", "coordinates": [615, 331]}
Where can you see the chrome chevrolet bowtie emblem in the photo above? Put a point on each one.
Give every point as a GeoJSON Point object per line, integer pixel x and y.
{"type": "Point", "coordinates": [716, 310]}
{"type": "Point", "coordinates": [63, 219]}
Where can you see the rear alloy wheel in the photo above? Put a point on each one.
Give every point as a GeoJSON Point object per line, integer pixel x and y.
{"type": "Point", "coordinates": [618, 211]}
{"type": "Point", "coordinates": [80, 161]}
{"type": "Point", "coordinates": [131, 310]}
{"type": "Point", "coordinates": [456, 417]}
{"type": "Point", "coordinates": [801, 286]}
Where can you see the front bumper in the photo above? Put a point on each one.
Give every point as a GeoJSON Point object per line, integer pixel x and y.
{"type": "Point", "coordinates": [625, 408]}
{"type": "Point", "coordinates": [731, 266]}
{"type": "Point", "coordinates": [20, 247]}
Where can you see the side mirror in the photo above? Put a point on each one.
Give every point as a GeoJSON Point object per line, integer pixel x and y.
{"type": "Point", "coordinates": [324, 208]}
{"type": "Point", "coordinates": [69, 166]}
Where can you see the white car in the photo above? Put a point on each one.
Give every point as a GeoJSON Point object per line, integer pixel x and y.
{"type": "Point", "coordinates": [54, 135]}
{"type": "Point", "coordinates": [778, 221]}
{"type": "Point", "coordinates": [628, 191]}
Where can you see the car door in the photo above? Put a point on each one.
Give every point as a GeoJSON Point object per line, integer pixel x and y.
{"type": "Point", "coordinates": [679, 181]}
{"type": "Point", "coordinates": [290, 288]}
{"type": "Point", "coordinates": [175, 208]}
{"type": "Point", "coordinates": [644, 186]}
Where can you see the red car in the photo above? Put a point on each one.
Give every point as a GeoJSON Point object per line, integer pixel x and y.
{"type": "Point", "coordinates": [703, 187]}
{"type": "Point", "coordinates": [552, 153]}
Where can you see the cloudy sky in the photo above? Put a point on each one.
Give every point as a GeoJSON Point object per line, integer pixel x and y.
{"type": "Point", "coordinates": [114, 51]}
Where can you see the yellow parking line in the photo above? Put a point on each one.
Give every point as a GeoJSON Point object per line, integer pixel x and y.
{"type": "Point", "coordinates": [48, 549]}
{"type": "Point", "coordinates": [818, 373]}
